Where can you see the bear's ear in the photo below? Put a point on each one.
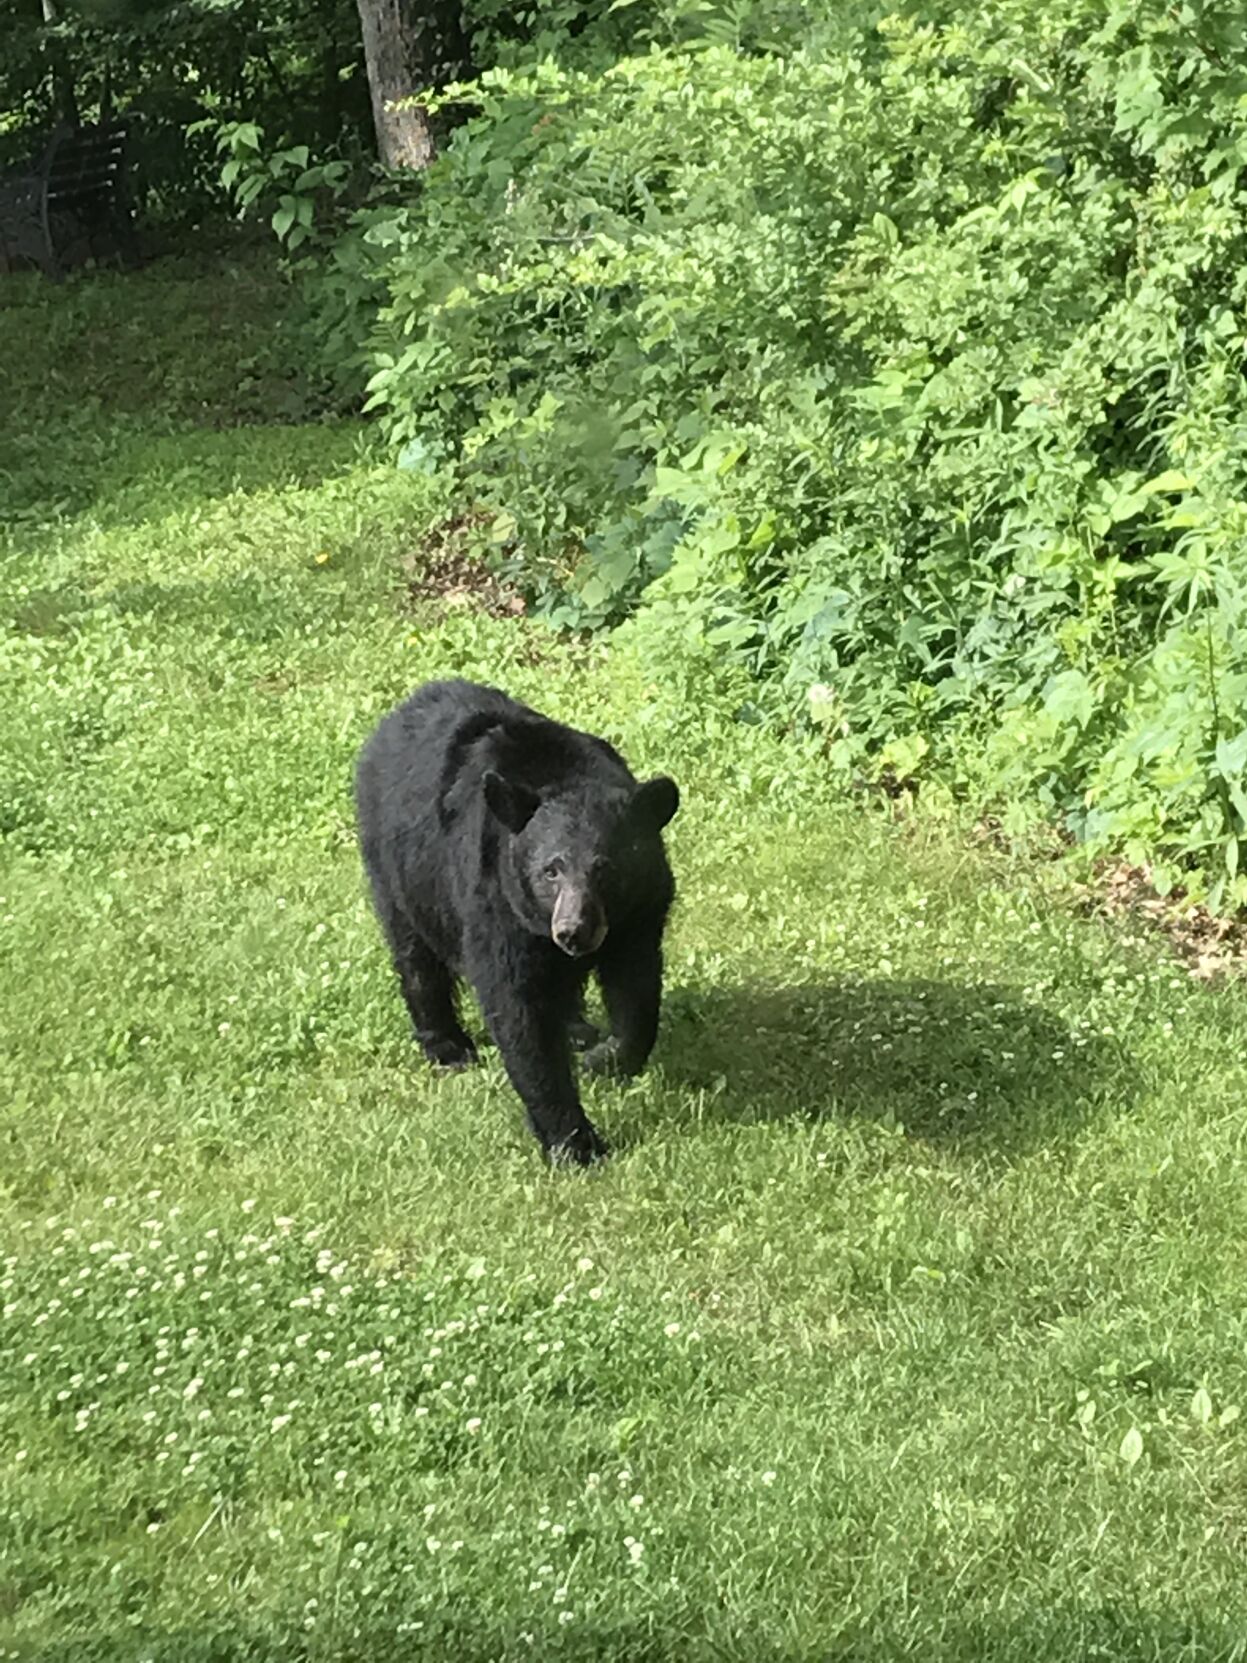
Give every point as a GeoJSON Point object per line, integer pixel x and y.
{"type": "Point", "coordinates": [654, 803]}
{"type": "Point", "coordinates": [513, 804]}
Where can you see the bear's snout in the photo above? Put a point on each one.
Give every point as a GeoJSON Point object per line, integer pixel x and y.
{"type": "Point", "coordinates": [578, 923]}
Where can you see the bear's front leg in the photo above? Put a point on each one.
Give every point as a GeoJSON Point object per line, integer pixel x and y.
{"type": "Point", "coordinates": [531, 1035]}
{"type": "Point", "coordinates": [630, 972]}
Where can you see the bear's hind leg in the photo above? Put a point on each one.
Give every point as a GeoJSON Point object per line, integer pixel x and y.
{"type": "Point", "coordinates": [429, 991]}
{"type": "Point", "coordinates": [582, 1033]}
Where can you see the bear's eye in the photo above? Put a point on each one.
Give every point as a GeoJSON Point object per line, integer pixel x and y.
{"type": "Point", "coordinates": [552, 869]}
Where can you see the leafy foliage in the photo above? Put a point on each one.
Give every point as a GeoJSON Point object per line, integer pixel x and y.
{"type": "Point", "coordinates": [899, 373]}
{"type": "Point", "coordinates": [176, 68]}
{"type": "Point", "coordinates": [167, 67]}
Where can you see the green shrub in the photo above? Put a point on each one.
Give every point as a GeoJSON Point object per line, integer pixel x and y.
{"type": "Point", "coordinates": [902, 371]}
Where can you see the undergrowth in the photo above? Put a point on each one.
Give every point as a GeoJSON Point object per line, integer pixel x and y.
{"type": "Point", "coordinates": [889, 367]}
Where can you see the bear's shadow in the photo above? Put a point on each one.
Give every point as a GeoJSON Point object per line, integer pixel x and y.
{"type": "Point", "coordinates": [950, 1063]}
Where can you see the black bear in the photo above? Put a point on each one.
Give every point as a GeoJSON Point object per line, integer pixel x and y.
{"type": "Point", "coordinates": [520, 855]}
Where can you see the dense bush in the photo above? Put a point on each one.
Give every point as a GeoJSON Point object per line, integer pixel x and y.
{"type": "Point", "coordinates": [900, 372]}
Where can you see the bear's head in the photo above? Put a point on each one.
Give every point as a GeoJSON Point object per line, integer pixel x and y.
{"type": "Point", "coordinates": [569, 860]}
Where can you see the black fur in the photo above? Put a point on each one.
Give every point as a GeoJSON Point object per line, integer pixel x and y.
{"type": "Point", "coordinates": [519, 855]}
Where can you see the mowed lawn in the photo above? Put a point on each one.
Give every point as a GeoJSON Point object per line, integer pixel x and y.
{"type": "Point", "coordinates": [909, 1320]}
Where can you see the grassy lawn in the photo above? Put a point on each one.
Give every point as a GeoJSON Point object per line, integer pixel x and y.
{"type": "Point", "coordinates": [908, 1321]}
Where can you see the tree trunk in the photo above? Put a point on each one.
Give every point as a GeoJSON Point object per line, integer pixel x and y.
{"type": "Point", "coordinates": [64, 92]}
{"type": "Point", "coordinates": [409, 45]}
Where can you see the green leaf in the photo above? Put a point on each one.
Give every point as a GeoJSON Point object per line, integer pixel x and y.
{"type": "Point", "coordinates": [1131, 1446]}
{"type": "Point", "coordinates": [1201, 1407]}
{"type": "Point", "coordinates": [721, 538]}
{"type": "Point", "coordinates": [1069, 697]}
{"type": "Point", "coordinates": [284, 215]}
{"type": "Point", "coordinates": [1126, 506]}
{"type": "Point", "coordinates": [1231, 756]}
{"type": "Point", "coordinates": [1170, 480]}
{"type": "Point", "coordinates": [624, 1431]}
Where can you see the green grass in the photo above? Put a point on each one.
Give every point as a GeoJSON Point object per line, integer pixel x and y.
{"type": "Point", "coordinates": [933, 1198]}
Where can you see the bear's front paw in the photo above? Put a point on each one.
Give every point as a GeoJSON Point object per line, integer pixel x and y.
{"type": "Point", "coordinates": [579, 1148]}
{"type": "Point", "coordinates": [449, 1052]}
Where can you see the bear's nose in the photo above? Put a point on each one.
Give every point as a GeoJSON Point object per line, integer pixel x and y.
{"type": "Point", "coordinates": [586, 935]}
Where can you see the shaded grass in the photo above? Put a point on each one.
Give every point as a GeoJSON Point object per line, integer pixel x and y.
{"type": "Point", "coordinates": [933, 1195]}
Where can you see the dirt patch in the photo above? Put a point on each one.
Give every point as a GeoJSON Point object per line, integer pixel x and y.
{"type": "Point", "coordinates": [1210, 947]}
{"type": "Point", "coordinates": [445, 570]}
{"type": "Point", "coordinates": [1043, 840]}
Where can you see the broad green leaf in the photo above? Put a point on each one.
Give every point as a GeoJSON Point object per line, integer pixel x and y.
{"type": "Point", "coordinates": [1069, 697]}
{"type": "Point", "coordinates": [1131, 1446]}
{"type": "Point", "coordinates": [1170, 480]}
{"type": "Point", "coordinates": [1231, 756]}
{"type": "Point", "coordinates": [284, 216]}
